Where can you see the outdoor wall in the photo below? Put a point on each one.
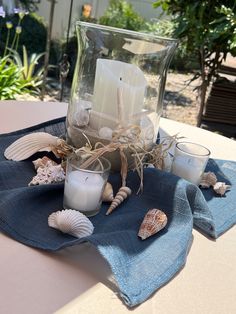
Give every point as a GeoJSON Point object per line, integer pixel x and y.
{"type": "Point", "coordinates": [62, 8]}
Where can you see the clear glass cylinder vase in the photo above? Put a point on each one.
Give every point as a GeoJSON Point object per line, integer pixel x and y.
{"type": "Point", "coordinates": [118, 88]}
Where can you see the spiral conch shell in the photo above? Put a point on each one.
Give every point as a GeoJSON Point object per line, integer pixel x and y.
{"type": "Point", "coordinates": [72, 222]}
{"type": "Point", "coordinates": [220, 188]}
{"type": "Point", "coordinates": [122, 194]}
{"type": "Point", "coordinates": [208, 179]}
{"type": "Point", "coordinates": [154, 221]}
{"type": "Point", "coordinates": [107, 195]}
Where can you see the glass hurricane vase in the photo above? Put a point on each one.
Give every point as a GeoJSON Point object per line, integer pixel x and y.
{"type": "Point", "coordinates": [118, 87]}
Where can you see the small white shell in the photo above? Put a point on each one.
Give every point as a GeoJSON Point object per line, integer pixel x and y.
{"type": "Point", "coordinates": [107, 195]}
{"type": "Point", "coordinates": [82, 117]}
{"type": "Point", "coordinates": [220, 188]}
{"type": "Point", "coordinates": [106, 133]}
{"type": "Point", "coordinates": [30, 144]}
{"type": "Point", "coordinates": [208, 179]}
{"type": "Point", "coordinates": [43, 162]}
{"type": "Point", "coordinates": [72, 222]}
{"type": "Point", "coordinates": [48, 174]}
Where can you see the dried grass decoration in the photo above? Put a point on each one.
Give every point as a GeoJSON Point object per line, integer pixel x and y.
{"type": "Point", "coordinates": [120, 143]}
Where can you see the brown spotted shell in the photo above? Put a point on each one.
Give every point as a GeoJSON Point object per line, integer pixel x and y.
{"type": "Point", "coordinates": [208, 179]}
{"type": "Point", "coordinates": [154, 221]}
{"type": "Point", "coordinates": [220, 188]}
{"type": "Point", "coordinates": [107, 195]}
{"type": "Point", "coordinates": [122, 194]}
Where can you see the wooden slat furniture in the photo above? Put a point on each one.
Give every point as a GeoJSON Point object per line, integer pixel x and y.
{"type": "Point", "coordinates": [220, 109]}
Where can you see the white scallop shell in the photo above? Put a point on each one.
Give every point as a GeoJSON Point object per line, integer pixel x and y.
{"type": "Point", "coordinates": [72, 222]}
{"type": "Point", "coordinates": [30, 144]}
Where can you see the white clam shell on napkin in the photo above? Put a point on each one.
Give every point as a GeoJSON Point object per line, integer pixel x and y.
{"type": "Point", "coordinates": [72, 222]}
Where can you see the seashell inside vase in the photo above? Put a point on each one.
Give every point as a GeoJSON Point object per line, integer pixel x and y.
{"type": "Point", "coordinates": [72, 222]}
{"type": "Point", "coordinates": [154, 221]}
{"type": "Point", "coordinates": [140, 132]}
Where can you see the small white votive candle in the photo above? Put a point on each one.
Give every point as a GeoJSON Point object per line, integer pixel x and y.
{"type": "Point", "coordinates": [84, 187]}
{"type": "Point", "coordinates": [190, 161]}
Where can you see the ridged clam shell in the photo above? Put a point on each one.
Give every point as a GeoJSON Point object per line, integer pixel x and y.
{"type": "Point", "coordinates": [154, 221]}
{"type": "Point", "coordinates": [30, 144]}
{"type": "Point", "coordinates": [208, 179]}
{"type": "Point", "coordinates": [72, 222]}
{"type": "Point", "coordinates": [107, 195]}
{"type": "Point", "coordinates": [220, 188]}
{"type": "Point", "coordinates": [122, 194]}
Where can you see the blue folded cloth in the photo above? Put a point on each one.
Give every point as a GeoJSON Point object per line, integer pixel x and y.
{"type": "Point", "coordinates": [139, 267]}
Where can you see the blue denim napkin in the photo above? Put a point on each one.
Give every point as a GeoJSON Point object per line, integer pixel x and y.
{"type": "Point", "coordinates": [139, 267]}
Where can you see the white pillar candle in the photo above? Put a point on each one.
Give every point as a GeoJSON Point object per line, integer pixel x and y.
{"type": "Point", "coordinates": [112, 76]}
{"type": "Point", "coordinates": [83, 191]}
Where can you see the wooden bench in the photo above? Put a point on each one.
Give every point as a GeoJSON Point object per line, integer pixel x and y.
{"type": "Point", "coordinates": [220, 109]}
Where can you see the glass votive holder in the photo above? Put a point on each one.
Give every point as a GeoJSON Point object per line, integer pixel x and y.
{"type": "Point", "coordinates": [190, 161]}
{"type": "Point", "coordinates": [84, 186]}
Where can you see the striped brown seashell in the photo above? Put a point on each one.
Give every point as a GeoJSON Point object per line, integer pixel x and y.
{"type": "Point", "coordinates": [154, 221]}
{"type": "Point", "coordinates": [208, 179]}
{"type": "Point", "coordinates": [107, 195]}
{"type": "Point", "coordinates": [122, 194]}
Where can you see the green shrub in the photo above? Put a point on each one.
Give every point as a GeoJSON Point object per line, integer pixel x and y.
{"type": "Point", "coordinates": [27, 65]}
{"type": "Point", "coordinates": [122, 15]}
{"type": "Point", "coordinates": [11, 81]}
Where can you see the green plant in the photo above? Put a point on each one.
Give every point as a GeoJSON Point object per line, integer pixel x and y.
{"type": "Point", "coordinates": [27, 66]}
{"type": "Point", "coordinates": [159, 27]}
{"type": "Point", "coordinates": [122, 15]}
{"type": "Point", "coordinates": [11, 82]}
{"type": "Point", "coordinates": [208, 28]}
{"type": "Point", "coordinates": [32, 34]}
